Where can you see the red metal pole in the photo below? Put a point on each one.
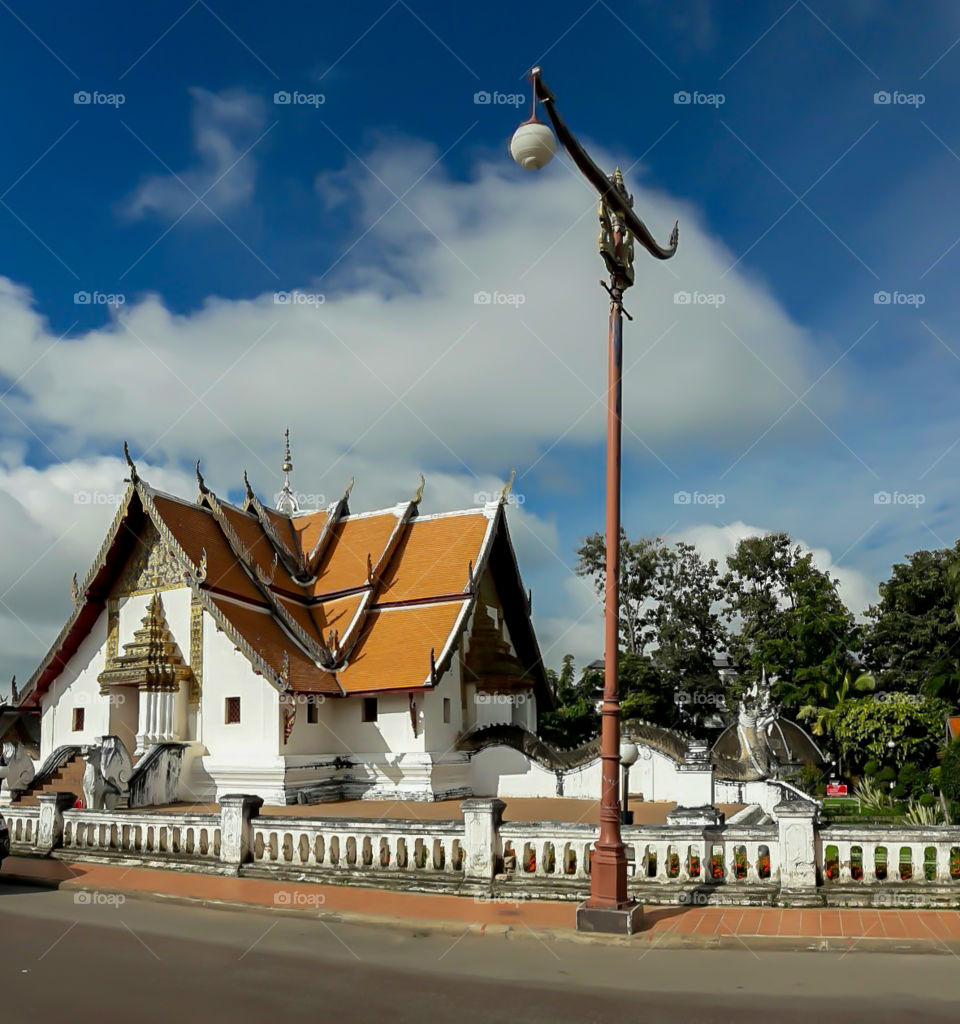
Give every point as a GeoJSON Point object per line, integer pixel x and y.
{"type": "Point", "coordinates": [608, 873]}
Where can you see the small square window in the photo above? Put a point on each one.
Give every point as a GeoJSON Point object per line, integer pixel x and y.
{"type": "Point", "coordinates": [370, 710]}
{"type": "Point", "coordinates": [313, 713]}
{"type": "Point", "coordinates": [446, 710]}
{"type": "Point", "coordinates": [232, 712]}
{"type": "Point", "coordinates": [79, 714]}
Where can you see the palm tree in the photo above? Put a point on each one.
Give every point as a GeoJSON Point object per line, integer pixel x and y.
{"type": "Point", "coordinates": [833, 698]}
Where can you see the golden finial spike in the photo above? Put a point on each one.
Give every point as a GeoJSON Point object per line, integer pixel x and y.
{"type": "Point", "coordinates": [418, 497]}
{"type": "Point", "coordinates": [346, 493]}
{"type": "Point", "coordinates": [508, 487]}
{"type": "Point", "coordinates": [130, 463]}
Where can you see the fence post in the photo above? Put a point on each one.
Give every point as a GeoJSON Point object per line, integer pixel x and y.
{"type": "Point", "coordinates": [50, 823]}
{"type": "Point", "coordinates": [483, 849]}
{"type": "Point", "coordinates": [797, 821]}
{"type": "Point", "coordinates": [236, 833]}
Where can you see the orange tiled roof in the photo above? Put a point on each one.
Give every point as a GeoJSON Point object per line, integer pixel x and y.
{"type": "Point", "coordinates": [376, 634]}
{"type": "Point", "coordinates": [433, 557]}
{"type": "Point", "coordinates": [394, 649]}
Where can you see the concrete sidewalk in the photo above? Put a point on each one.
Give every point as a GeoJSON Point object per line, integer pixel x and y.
{"type": "Point", "coordinates": [665, 927]}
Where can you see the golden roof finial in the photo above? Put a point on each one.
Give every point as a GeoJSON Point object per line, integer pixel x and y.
{"type": "Point", "coordinates": [418, 497]}
{"type": "Point", "coordinates": [508, 486]}
{"type": "Point", "coordinates": [287, 501]}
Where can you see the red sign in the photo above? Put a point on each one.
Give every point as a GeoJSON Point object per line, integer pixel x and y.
{"type": "Point", "coordinates": [836, 789]}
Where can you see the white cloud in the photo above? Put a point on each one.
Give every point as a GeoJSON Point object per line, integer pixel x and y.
{"type": "Point", "coordinates": [225, 125]}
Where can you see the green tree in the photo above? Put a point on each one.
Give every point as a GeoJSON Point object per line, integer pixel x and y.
{"type": "Point", "coordinates": [574, 719]}
{"type": "Point", "coordinates": [639, 563]}
{"type": "Point", "coordinates": [792, 620]}
{"type": "Point", "coordinates": [912, 641]}
{"type": "Point", "coordinates": [670, 626]}
{"type": "Point", "coordinates": [892, 728]}
{"type": "Point", "coordinates": [832, 698]}
{"type": "Point", "coordinates": [689, 630]}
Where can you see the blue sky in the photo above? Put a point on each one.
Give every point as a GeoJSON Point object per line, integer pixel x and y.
{"type": "Point", "coordinates": [795, 396]}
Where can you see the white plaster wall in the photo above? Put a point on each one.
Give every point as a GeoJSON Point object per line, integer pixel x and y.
{"type": "Point", "coordinates": [227, 673]}
{"type": "Point", "coordinates": [503, 771]}
{"type": "Point", "coordinates": [77, 686]}
{"type": "Point", "coordinates": [763, 793]}
{"type": "Point", "coordinates": [440, 736]}
{"type": "Point", "coordinates": [343, 731]}
{"type": "Point", "coordinates": [654, 776]}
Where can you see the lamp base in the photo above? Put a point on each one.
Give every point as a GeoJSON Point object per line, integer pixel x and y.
{"type": "Point", "coordinates": [625, 920]}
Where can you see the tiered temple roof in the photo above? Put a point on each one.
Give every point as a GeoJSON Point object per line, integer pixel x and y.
{"type": "Point", "coordinates": [319, 602]}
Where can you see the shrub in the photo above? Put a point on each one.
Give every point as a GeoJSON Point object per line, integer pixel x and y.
{"type": "Point", "coordinates": [950, 771]}
{"type": "Point", "coordinates": [886, 775]}
{"type": "Point", "coordinates": [926, 800]}
{"type": "Point", "coordinates": [871, 768]}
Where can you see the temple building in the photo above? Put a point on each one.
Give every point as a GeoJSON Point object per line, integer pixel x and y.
{"type": "Point", "coordinates": [296, 655]}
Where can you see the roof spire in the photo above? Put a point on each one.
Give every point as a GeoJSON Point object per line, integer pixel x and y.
{"type": "Point", "coordinates": [287, 502]}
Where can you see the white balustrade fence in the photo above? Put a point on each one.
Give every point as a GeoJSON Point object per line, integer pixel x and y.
{"type": "Point", "coordinates": [142, 835]}
{"type": "Point", "coordinates": [337, 845]}
{"type": "Point", "coordinates": [23, 824]}
{"type": "Point", "coordinates": [689, 862]}
{"type": "Point", "coordinates": [677, 854]}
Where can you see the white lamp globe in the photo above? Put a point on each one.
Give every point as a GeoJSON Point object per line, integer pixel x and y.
{"type": "Point", "coordinates": [533, 145]}
{"type": "Point", "coordinates": [629, 752]}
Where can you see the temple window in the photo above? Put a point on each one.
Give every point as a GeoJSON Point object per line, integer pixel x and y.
{"type": "Point", "coordinates": [313, 713]}
{"type": "Point", "coordinates": [446, 710]}
{"type": "Point", "coordinates": [232, 711]}
{"type": "Point", "coordinates": [78, 716]}
{"type": "Point", "coordinates": [370, 710]}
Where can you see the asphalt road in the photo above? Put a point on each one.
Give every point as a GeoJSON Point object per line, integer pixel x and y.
{"type": "Point", "coordinates": [144, 960]}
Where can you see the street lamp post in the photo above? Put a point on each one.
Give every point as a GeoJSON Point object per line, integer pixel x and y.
{"type": "Point", "coordinates": [608, 909]}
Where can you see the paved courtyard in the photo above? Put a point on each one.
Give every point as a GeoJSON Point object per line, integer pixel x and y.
{"type": "Point", "coordinates": [517, 809]}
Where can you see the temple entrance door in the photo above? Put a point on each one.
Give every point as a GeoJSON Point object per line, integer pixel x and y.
{"type": "Point", "coordinates": [124, 714]}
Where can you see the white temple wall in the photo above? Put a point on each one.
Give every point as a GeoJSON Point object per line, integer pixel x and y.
{"type": "Point", "coordinates": [226, 674]}
{"type": "Point", "coordinates": [77, 687]}
{"type": "Point", "coordinates": [439, 735]}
